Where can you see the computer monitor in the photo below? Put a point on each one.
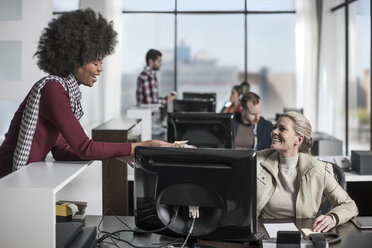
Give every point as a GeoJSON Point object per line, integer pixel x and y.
{"type": "Point", "coordinates": [199, 96]}
{"type": "Point", "coordinates": [203, 130]}
{"type": "Point", "coordinates": [194, 106]}
{"type": "Point", "coordinates": [221, 183]}
{"type": "Point", "coordinates": [299, 110]}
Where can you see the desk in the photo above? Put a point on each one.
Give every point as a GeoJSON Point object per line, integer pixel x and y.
{"type": "Point", "coordinates": [28, 196]}
{"type": "Point", "coordinates": [114, 171]}
{"type": "Point", "coordinates": [351, 236]}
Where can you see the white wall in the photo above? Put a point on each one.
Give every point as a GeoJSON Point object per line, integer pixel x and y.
{"type": "Point", "coordinates": [100, 103]}
{"type": "Point", "coordinates": [35, 16]}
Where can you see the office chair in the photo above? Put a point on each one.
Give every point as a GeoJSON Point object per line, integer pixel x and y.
{"type": "Point", "coordinates": [325, 205]}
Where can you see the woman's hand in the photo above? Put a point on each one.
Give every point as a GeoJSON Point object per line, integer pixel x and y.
{"type": "Point", "coordinates": [159, 143]}
{"type": "Point", "coordinates": [323, 223]}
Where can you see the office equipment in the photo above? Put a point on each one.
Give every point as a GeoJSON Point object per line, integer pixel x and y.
{"type": "Point", "coordinates": [363, 222]}
{"type": "Point", "coordinates": [211, 130]}
{"type": "Point", "coordinates": [219, 185]}
{"type": "Point", "coordinates": [199, 96]}
{"type": "Point", "coordinates": [361, 162]}
{"type": "Point", "coordinates": [74, 235]}
{"type": "Point", "coordinates": [325, 144]}
{"type": "Point", "coordinates": [273, 228]}
{"type": "Point", "coordinates": [194, 106]}
{"type": "Point", "coordinates": [288, 239]}
{"type": "Point", "coordinates": [319, 241]}
{"type": "Point", "coordinates": [299, 110]}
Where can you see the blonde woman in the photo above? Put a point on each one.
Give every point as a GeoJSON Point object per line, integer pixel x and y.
{"type": "Point", "coordinates": [291, 183]}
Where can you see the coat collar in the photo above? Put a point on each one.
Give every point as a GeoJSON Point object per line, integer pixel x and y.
{"type": "Point", "coordinates": [305, 163]}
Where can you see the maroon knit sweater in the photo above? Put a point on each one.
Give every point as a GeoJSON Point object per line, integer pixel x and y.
{"type": "Point", "coordinates": [57, 130]}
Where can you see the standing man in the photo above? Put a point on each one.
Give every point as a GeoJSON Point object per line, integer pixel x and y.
{"type": "Point", "coordinates": [147, 83]}
{"type": "Point", "coordinates": [251, 130]}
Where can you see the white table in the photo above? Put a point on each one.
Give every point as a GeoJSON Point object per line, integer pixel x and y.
{"type": "Point", "coordinates": [28, 197]}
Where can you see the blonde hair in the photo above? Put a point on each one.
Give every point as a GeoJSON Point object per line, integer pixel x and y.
{"type": "Point", "coordinates": [302, 127]}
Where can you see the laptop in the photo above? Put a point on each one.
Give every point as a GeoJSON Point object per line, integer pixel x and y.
{"type": "Point", "coordinates": [363, 222]}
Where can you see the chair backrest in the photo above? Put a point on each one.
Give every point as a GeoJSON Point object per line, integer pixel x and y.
{"type": "Point", "coordinates": [339, 175]}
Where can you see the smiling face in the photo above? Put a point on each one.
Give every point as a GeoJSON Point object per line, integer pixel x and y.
{"type": "Point", "coordinates": [88, 73]}
{"type": "Point", "coordinates": [285, 139]}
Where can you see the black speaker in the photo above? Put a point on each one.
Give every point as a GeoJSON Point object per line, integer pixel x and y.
{"type": "Point", "coordinates": [361, 162]}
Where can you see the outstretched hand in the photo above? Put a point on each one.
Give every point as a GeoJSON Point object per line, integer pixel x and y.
{"type": "Point", "coordinates": [323, 223]}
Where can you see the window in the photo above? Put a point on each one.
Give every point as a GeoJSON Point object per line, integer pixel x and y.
{"type": "Point", "coordinates": [359, 75]}
{"type": "Point", "coordinates": [219, 44]}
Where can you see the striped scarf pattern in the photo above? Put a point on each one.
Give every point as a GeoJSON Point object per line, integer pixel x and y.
{"type": "Point", "coordinates": [31, 113]}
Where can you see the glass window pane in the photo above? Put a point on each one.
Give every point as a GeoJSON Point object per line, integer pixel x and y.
{"type": "Point", "coordinates": [184, 5]}
{"type": "Point", "coordinates": [65, 5]}
{"type": "Point", "coordinates": [212, 48]}
{"type": "Point", "coordinates": [331, 110]}
{"type": "Point", "coordinates": [141, 33]}
{"type": "Point", "coordinates": [10, 10]}
{"type": "Point", "coordinates": [10, 62]}
{"type": "Point", "coordinates": [271, 61]}
{"type": "Point", "coordinates": [359, 75]}
{"type": "Point", "coordinates": [270, 5]}
{"type": "Point", "coordinates": [149, 5]}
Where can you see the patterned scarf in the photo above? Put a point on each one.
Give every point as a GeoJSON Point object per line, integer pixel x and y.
{"type": "Point", "coordinates": [31, 114]}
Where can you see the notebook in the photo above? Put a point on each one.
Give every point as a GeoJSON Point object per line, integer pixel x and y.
{"type": "Point", "coordinates": [363, 222]}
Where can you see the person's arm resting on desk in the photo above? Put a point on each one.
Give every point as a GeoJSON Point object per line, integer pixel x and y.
{"type": "Point", "coordinates": [344, 208]}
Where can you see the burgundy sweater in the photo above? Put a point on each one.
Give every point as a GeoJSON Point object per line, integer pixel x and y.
{"type": "Point", "coordinates": [57, 130]}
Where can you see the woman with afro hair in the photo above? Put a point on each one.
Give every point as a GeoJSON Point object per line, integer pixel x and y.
{"type": "Point", "coordinates": [71, 50]}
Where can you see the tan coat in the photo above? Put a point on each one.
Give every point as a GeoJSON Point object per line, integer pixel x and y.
{"type": "Point", "coordinates": [315, 179]}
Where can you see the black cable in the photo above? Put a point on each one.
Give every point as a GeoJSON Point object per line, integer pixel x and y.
{"type": "Point", "coordinates": [116, 234]}
{"type": "Point", "coordinates": [189, 233]}
{"type": "Point", "coordinates": [332, 237]}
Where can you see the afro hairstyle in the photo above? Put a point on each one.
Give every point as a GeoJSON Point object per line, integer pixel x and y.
{"type": "Point", "coordinates": [73, 39]}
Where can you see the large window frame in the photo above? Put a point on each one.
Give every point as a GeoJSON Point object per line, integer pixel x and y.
{"type": "Point", "coordinates": [177, 12]}
{"type": "Point", "coordinates": [345, 7]}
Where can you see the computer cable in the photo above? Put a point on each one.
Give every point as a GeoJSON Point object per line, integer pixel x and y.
{"type": "Point", "coordinates": [189, 233]}
{"type": "Point", "coordinates": [116, 234]}
{"type": "Point", "coordinates": [332, 237]}
{"type": "Point", "coordinates": [193, 213]}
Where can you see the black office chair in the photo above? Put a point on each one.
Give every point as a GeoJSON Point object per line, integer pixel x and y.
{"type": "Point", "coordinates": [325, 205]}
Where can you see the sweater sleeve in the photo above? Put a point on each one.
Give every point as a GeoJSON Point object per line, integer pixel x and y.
{"type": "Point", "coordinates": [73, 143]}
{"type": "Point", "coordinates": [344, 208]}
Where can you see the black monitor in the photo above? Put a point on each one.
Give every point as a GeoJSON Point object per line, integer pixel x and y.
{"type": "Point", "coordinates": [299, 110]}
{"type": "Point", "coordinates": [199, 96]}
{"type": "Point", "coordinates": [203, 130]}
{"type": "Point", "coordinates": [220, 183]}
{"type": "Point", "coordinates": [194, 106]}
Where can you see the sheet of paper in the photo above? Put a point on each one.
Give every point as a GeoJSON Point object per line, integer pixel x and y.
{"type": "Point", "coordinates": [307, 231]}
{"type": "Point", "coordinates": [273, 228]}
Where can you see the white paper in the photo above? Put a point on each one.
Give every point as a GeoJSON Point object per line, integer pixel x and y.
{"type": "Point", "coordinates": [273, 228]}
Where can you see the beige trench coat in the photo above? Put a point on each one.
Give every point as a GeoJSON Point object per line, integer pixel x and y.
{"type": "Point", "coordinates": [315, 178]}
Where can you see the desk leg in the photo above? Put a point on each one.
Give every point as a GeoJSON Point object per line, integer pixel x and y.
{"type": "Point", "coordinates": [115, 186]}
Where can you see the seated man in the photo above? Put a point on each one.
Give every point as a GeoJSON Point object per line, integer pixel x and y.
{"type": "Point", "coordinates": [251, 130]}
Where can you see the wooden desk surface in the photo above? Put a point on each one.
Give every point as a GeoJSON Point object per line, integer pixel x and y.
{"type": "Point", "coordinates": [351, 236]}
